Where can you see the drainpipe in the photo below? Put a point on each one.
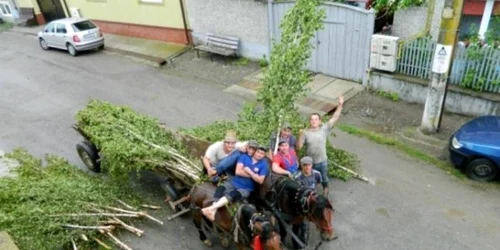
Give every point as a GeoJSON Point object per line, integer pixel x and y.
{"type": "Point", "coordinates": [66, 6]}
{"type": "Point", "coordinates": [184, 21]}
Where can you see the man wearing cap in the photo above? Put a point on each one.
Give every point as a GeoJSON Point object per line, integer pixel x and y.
{"type": "Point", "coordinates": [315, 137]}
{"type": "Point", "coordinates": [249, 171]}
{"type": "Point", "coordinates": [285, 134]}
{"type": "Point", "coordinates": [222, 155]}
{"type": "Point", "coordinates": [228, 165]}
{"type": "Point", "coordinates": [285, 161]}
{"type": "Point", "coordinates": [309, 178]}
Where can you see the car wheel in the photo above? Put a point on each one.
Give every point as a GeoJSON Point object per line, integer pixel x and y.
{"type": "Point", "coordinates": [43, 44]}
{"type": "Point", "coordinates": [101, 47]}
{"type": "Point", "coordinates": [481, 170]}
{"type": "Point", "coordinates": [71, 50]}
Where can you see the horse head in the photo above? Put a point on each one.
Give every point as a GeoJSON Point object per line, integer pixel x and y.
{"type": "Point", "coordinates": [320, 212]}
{"type": "Point", "coordinates": [267, 229]}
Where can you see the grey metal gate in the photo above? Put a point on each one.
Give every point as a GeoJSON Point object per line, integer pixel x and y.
{"type": "Point", "coordinates": [342, 48]}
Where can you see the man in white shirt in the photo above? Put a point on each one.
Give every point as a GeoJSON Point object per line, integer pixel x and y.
{"type": "Point", "coordinates": [221, 156]}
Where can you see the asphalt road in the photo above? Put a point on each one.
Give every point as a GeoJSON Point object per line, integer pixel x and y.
{"type": "Point", "coordinates": [412, 206]}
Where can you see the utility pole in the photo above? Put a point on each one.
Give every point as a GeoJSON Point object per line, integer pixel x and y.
{"type": "Point", "coordinates": [450, 21]}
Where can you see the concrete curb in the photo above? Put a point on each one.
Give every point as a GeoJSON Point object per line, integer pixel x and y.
{"type": "Point", "coordinates": [151, 60]}
{"type": "Point", "coordinates": [154, 61]}
{"type": "Point", "coordinates": [21, 32]}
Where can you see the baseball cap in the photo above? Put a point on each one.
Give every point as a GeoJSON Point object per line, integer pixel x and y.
{"type": "Point", "coordinates": [306, 160]}
{"type": "Point", "coordinates": [263, 147]}
{"type": "Point", "coordinates": [253, 143]}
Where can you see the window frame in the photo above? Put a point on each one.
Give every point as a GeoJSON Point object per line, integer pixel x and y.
{"type": "Point", "coordinates": [46, 29]}
{"type": "Point", "coordinates": [64, 27]}
{"type": "Point", "coordinates": [6, 8]}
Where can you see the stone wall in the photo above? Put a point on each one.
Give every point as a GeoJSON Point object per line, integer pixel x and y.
{"type": "Point", "coordinates": [415, 90]}
{"type": "Point", "coordinates": [245, 19]}
{"type": "Point", "coordinates": [410, 21]}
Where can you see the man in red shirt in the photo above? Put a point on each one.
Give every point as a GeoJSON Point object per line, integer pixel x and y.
{"type": "Point", "coordinates": [285, 161]}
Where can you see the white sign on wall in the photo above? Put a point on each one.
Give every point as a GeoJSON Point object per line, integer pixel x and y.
{"type": "Point", "coordinates": [442, 58]}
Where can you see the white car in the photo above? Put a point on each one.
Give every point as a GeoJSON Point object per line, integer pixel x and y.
{"type": "Point", "coordinates": [71, 34]}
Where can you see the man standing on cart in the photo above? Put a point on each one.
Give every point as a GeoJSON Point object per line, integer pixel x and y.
{"type": "Point", "coordinates": [315, 138]}
{"type": "Point", "coordinates": [249, 171]}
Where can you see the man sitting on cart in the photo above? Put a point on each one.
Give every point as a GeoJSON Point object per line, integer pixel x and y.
{"type": "Point", "coordinates": [285, 161]}
{"type": "Point", "coordinates": [249, 171]}
{"type": "Point", "coordinates": [222, 155]}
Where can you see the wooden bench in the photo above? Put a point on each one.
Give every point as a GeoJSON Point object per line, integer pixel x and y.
{"type": "Point", "coordinates": [219, 44]}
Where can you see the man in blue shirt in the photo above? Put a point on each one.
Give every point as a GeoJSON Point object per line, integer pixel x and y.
{"type": "Point", "coordinates": [249, 170]}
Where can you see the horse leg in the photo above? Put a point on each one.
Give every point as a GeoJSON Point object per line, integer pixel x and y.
{"type": "Point", "coordinates": [299, 229]}
{"type": "Point", "coordinates": [240, 246]}
{"type": "Point", "coordinates": [197, 217]}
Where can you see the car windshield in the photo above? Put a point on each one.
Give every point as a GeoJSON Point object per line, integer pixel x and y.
{"type": "Point", "coordinates": [82, 26]}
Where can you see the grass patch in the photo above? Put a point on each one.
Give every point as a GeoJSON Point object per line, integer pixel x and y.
{"type": "Point", "coordinates": [242, 61]}
{"type": "Point", "coordinates": [393, 96]}
{"type": "Point", "coordinates": [407, 149]}
{"type": "Point", "coordinates": [6, 26]}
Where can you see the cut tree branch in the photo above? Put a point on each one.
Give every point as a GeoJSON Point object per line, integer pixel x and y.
{"type": "Point", "coordinates": [106, 228]}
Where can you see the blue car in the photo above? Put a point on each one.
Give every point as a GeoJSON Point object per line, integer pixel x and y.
{"type": "Point", "coordinates": [476, 148]}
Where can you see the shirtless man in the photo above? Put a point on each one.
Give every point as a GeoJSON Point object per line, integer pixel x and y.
{"type": "Point", "coordinates": [249, 171]}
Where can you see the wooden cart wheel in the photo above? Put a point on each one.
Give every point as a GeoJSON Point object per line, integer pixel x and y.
{"type": "Point", "coordinates": [89, 155]}
{"type": "Point", "coordinates": [174, 195]}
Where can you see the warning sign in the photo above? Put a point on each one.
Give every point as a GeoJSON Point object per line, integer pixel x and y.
{"type": "Point", "coordinates": [442, 58]}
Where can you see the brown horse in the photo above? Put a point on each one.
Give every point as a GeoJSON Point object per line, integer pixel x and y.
{"type": "Point", "coordinates": [246, 224]}
{"type": "Point", "coordinates": [296, 203]}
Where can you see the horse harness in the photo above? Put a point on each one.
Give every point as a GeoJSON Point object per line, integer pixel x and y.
{"type": "Point", "coordinates": [300, 200]}
{"type": "Point", "coordinates": [238, 232]}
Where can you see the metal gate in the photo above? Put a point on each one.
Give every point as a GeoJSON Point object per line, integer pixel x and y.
{"type": "Point", "coordinates": [342, 48]}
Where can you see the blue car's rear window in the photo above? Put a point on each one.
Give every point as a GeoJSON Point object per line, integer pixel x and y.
{"type": "Point", "coordinates": [82, 26]}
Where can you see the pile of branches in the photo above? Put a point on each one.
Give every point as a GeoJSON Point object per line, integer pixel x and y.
{"type": "Point", "coordinates": [54, 205]}
{"type": "Point", "coordinates": [130, 141]}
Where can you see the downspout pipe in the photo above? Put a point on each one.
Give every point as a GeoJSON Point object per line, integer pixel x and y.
{"type": "Point", "coordinates": [184, 21]}
{"type": "Point", "coordinates": [66, 6]}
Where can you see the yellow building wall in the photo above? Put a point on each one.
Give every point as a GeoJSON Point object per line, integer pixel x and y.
{"type": "Point", "coordinates": [165, 14]}
{"type": "Point", "coordinates": [29, 4]}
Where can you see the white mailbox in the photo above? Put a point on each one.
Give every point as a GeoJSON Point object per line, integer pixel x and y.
{"type": "Point", "coordinates": [75, 12]}
{"type": "Point", "coordinates": [384, 51]}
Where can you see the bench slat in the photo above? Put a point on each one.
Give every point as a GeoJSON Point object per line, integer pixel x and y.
{"type": "Point", "coordinates": [223, 45]}
{"type": "Point", "coordinates": [218, 51]}
{"type": "Point", "coordinates": [220, 44]}
{"type": "Point", "coordinates": [222, 36]}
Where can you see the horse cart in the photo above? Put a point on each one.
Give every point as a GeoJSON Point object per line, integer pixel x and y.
{"type": "Point", "coordinates": [173, 183]}
{"type": "Point", "coordinates": [276, 197]}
